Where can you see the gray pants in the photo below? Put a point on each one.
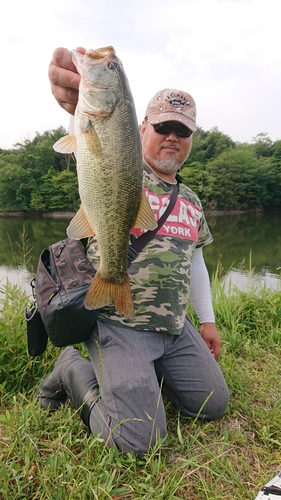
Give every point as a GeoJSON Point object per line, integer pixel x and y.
{"type": "Point", "coordinates": [131, 366]}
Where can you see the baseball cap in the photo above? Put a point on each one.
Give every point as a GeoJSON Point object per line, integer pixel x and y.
{"type": "Point", "coordinates": [172, 105]}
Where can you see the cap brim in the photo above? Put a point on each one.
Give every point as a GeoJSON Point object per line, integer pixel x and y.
{"type": "Point", "coordinates": [172, 117]}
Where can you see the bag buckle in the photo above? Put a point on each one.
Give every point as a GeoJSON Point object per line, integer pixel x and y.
{"type": "Point", "coordinates": [32, 284]}
{"type": "Point", "coordinates": [132, 255]}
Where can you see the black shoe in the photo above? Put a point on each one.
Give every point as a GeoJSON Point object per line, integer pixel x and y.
{"type": "Point", "coordinates": [51, 393]}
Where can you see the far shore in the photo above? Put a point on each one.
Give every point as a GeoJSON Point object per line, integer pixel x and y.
{"type": "Point", "coordinates": [48, 215]}
{"type": "Point", "coordinates": [70, 215]}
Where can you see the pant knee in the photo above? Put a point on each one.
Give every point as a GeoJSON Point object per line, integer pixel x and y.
{"type": "Point", "coordinates": [141, 439]}
{"type": "Point", "coordinates": [212, 408]}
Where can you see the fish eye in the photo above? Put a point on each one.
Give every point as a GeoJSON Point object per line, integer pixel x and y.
{"type": "Point", "coordinates": [113, 65]}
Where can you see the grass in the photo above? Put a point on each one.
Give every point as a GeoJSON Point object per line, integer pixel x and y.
{"type": "Point", "coordinates": [53, 457]}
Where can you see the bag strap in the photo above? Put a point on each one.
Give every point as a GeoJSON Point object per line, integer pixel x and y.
{"type": "Point", "coordinates": [139, 243]}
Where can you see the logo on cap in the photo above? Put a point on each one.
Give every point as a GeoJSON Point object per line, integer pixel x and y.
{"type": "Point", "coordinates": [177, 100]}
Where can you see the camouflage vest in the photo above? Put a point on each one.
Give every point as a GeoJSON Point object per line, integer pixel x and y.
{"type": "Point", "coordinates": [160, 276]}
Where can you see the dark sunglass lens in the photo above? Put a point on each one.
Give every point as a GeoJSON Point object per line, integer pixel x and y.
{"type": "Point", "coordinates": [182, 131]}
{"type": "Point", "coordinates": [166, 128]}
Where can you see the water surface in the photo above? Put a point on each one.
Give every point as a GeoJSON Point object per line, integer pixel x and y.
{"type": "Point", "coordinates": [242, 244]}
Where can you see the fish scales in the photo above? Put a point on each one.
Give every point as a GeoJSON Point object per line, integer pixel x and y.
{"type": "Point", "coordinates": [107, 144]}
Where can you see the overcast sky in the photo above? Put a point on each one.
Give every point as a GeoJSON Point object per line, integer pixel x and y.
{"type": "Point", "coordinates": [226, 53]}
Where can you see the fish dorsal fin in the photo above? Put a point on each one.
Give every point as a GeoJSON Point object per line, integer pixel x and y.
{"type": "Point", "coordinates": [79, 226]}
{"type": "Point", "coordinates": [145, 218]}
{"type": "Point", "coordinates": [93, 142]}
{"type": "Point", "coordinates": [66, 144]}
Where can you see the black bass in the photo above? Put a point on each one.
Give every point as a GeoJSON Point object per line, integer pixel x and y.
{"type": "Point", "coordinates": [107, 145]}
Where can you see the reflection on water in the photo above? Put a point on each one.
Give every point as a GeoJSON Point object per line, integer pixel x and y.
{"type": "Point", "coordinates": [246, 280]}
{"type": "Point", "coordinates": [248, 248]}
{"type": "Point", "coordinates": [234, 279]}
{"type": "Point", "coordinates": [241, 243]}
{"type": "Point", "coordinates": [19, 277]}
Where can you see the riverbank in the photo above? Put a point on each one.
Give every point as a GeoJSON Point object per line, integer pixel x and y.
{"type": "Point", "coordinates": [69, 215]}
{"type": "Point", "coordinates": [47, 215]}
{"type": "Point", "coordinates": [258, 211]}
{"type": "Point", "coordinates": [46, 456]}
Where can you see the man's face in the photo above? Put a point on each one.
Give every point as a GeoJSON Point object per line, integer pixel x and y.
{"type": "Point", "coordinates": [165, 153]}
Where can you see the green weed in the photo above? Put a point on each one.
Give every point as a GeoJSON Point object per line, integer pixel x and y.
{"type": "Point", "coordinates": [52, 456]}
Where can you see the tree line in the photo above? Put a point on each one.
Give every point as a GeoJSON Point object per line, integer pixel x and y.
{"type": "Point", "coordinates": [226, 175]}
{"type": "Point", "coordinates": [229, 175]}
{"type": "Point", "coordinates": [34, 178]}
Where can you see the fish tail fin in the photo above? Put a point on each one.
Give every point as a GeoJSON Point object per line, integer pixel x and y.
{"type": "Point", "coordinates": [104, 293]}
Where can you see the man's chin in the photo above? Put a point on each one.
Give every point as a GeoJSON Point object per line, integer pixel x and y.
{"type": "Point", "coordinates": [168, 165]}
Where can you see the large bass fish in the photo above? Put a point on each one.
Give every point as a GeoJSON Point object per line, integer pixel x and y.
{"type": "Point", "coordinates": [107, 145]}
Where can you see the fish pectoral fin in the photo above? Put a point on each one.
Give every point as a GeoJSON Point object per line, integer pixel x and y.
{"type": "Point", "coordinates": [103, 292]}
{"type": "Point", "coordinates": [66, 144]}
{"type": "Point", "coordinates": [145, 217]}
{"type": "Point", "coordinates": [92, 140]}
{"type": "Point", "coordinates": [79, 227]}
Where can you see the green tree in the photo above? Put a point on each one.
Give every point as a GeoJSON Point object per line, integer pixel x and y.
{"type": "Point", "coordinates": [262, 145]}
{"type": "Point", "coordinates": [39, 154]}
{"type": "Point", "coordinates": [235, 179]}
{"type": "Point", "coordinates": [16, 185]}
{"type": "Point", "coordinates": [65, 191]}
{"type": "Point", "coordinates": [32, 167]}
{"type": "Point", "coordinates": [195, 177]}
{"type": "Point", "coordinates": [276, 152]}
{"type": "Point", "coordinates": [207, 145]}
{"type": "Point", "coordinates": [58, 191]}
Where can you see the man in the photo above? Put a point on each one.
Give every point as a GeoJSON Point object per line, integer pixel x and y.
{"type": "Point", "coordinates": [133, 362]}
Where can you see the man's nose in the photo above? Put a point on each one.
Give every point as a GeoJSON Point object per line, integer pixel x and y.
{"type": "Point", "coordinates": [172, 136]}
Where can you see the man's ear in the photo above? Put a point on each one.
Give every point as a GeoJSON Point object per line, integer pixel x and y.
{"type": "Point", "coordinates": [142, 128]}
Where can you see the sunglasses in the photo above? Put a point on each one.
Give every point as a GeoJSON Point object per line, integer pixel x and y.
{"type": "Point", "coordinates": [166, 128]}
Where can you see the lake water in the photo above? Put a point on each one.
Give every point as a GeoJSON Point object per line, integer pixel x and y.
{"type": "Point", "coordinates": [245, 245]}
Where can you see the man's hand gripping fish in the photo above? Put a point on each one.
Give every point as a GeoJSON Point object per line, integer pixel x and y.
{"type": "Point", "coordinates": [107, 144]}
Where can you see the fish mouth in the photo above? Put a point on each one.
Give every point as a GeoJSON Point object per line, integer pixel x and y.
{"type": "Point", "coordinates": [102, 53]}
